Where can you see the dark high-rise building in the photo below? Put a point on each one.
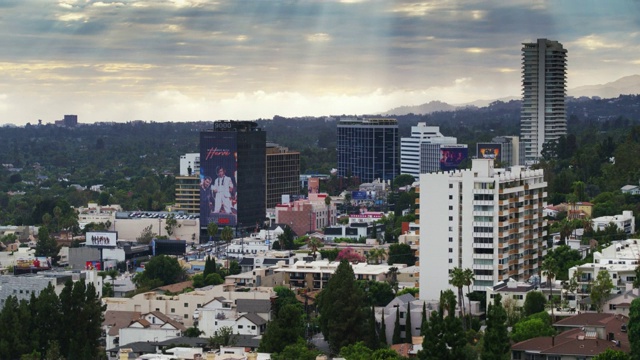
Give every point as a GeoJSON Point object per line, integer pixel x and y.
{"type": "Point", "coordinates": [544, 82]}
{"type": "Point", "coordinates": [368, 149]}
{"type": "Point", "coordinates": [232, 175]}
{"type": "Point", "coordinates": [70, 120]}
{"type": "Point", "coordinates": [283, 173]}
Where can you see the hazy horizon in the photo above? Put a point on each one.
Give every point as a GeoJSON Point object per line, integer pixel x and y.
{"type": "Point", "coordinates": [195, 60]}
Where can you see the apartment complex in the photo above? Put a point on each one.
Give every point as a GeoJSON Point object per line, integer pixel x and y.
{"type": "Point", "coordinates": [543, 116]}
{"type": "Point", "coordinates": [283, 173]}
{"type": "Point", "coordinates": [368, 149]}
{"type": "Point", "coordinates": [486, 219]}
{"type": "Point", "coordinates": [188, 194]}
{"type": "Point", "coordinates": [410, 148]}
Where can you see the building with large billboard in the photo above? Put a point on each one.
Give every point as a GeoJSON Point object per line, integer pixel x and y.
{"type": "Point", "coordinates": [368, 148]}
{"type": "Point", "coordinates": [486, 219]}
{"type": "Point", "coordinates": [232, 175]}
{"type": "Point", "coordinates": [544, 81]}
{"type": "Point", "coordinates": [504, 149]}
{"type": "Point", "coordinates": [436, 157]}
{"type": "Point", "coordinates": [283, 173]}
{"type": "Point", "coordinates": [410, 147]}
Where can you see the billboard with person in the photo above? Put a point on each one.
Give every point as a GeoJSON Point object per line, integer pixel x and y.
{"type": "Point", "coordinates": [489, 151]}
{"type": "Point", "coordinates": [452, 157]}
{"type": "Point", "coordinates": [218, 178]}
{"type": "Point", "coordinates": [101, 238]}
{"type": "Point", "coordinates": [314, 185]}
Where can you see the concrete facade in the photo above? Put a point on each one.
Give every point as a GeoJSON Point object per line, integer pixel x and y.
{"type": "Point", "coordinates": [486, 219]}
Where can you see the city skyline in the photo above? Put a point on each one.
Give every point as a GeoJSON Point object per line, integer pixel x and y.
{"type": "Point", "coordinates": [204, 60]}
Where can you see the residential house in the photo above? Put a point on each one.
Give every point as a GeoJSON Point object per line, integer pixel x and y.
{"type": "Point", "coordinates": [244, 316]}
{"type": "Point", "coordinates": [152, 326]}
{"type": "Point", "coordinates": [582, 336]}
{"type": "Point", "coordinates": [625, 222]}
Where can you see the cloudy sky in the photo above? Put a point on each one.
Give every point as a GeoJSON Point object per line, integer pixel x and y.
{"type": "Point", "coordinates": [183, 60]}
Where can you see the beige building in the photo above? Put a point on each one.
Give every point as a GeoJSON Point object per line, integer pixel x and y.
{"type": "Point", "coordinates": [315, 275]}
{"type": "Point", "coordinates": [182, 308]}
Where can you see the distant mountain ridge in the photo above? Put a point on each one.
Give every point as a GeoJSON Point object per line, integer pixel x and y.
{"type": "Point", "coordinates": [623, 86]}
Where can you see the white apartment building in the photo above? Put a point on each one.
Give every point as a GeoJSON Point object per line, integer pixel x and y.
{"type": "Point", "coordinates": [619, 259]}
{"type": "Point", "coordinates": [625, 222]}
{"type": "Point", "coordinates": [410, 147]}
{"type": "Point", "coordinates": [189, 160]}
{"type": "Point", "coordinates": [486, 219]}
{"type": "Point", "coordinates": [543, 116]}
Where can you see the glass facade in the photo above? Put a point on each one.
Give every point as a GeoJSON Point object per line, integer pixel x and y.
{"type": "Point", "coordinates": [368, 149]}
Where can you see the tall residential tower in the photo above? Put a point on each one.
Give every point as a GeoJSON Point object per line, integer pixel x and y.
{"type": "Point", "coordinates": [543, 117]}
{"type": "Point", "coordinates": [485, 219]}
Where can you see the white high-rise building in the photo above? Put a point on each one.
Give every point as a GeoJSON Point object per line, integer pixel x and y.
{"type": "Point", "coordinates": [543, 117]}
{"type": "Point", "coordinates": [410, 147]}
{"type": "Point", "coordinates": [190, 160]}
{"type": "Point", "coordinates": [485, 219]}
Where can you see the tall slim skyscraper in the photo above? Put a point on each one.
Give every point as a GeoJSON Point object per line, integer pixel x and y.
{"type": "Point", "coordinates": [543, 117]}
{"type": "Point", "coordinates": [368, 149]}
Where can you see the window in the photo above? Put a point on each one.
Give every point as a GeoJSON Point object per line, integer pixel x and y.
{"type": "Point", "coordinates": [450, 261]}
{"type": "Point", "coordinates": [173, 310]}
{"type": "Point", "coordinates": [450, 186]}
{"type": "Point", "coordinates": [253, 327]}
{"type": "Point", "coordinates": [450, 218]}
{"type": "Point", "coordinates": [186, 316]}
{"type": "Point", "coordinates": [612, 306]}
{"type": "Point", "coordinates": [401, 315]}
{"type": "Point", "coordinates": [450, 239]}
{"type": "Point", "coordinates": [186, 304]}
{"type": "Point", "coordinates": [450, 197]}
{"type": "Point", "coordinates": [450, 250]}
{"type": "Point", "coordinates": [450, 207]}
{"type": "Point", "coordinates": [240, 326]}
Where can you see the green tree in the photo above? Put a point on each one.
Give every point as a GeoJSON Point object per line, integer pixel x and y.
{"type": "Point", "coordinates": [159, 271]}
{"type": "Point", "coordinates": [285, 240]}
{"type": "Point", "coordinates": [298, 351]}
{"type": "Point", "coordinates": [171, 224]}
{"type": "Point", "coordinates": [227, 235]}
{"type": "Point", "coordinates": [534, 303]}
{"type": "Point", "coordinates": [601, 289]}
{"type": "Point", "coordinates": [634, 328]}
{"type": "Point", "coordinates": [403, 180]}
{"type": "Point", "coordinates": [314, 244]}
{"type": "Point", "coordinates": [408, 326]}
{"type": "Point", "coordinates": [146, 235]}
{"type": "Point", "coordinates": [285, 329]}
{"type": "Point", "coordinates": [212, 230]}
{"type": "Point", "coordinates": [550, 269]}
{"type": "Point", "coordinates": [223, 337]}
{"type": "Point", "coordinates": [494, 346]}
{"type": "Point", "coordinates": [611, 354]}
{"type": "Point", "coordinates": [457, 279]}
{"type": "Point", "coordinates": [209, 266]}
{"type": "Point", "coordinates": [401, 254]}
{"type": "Point", "coordinates": [48, 317]}
{"type": "Point", "coordinates": [342, 316]}
{"type": "Point", "coordinates": [46, 245]}
{"type": "Point", "coordinates": [530, 328]}
{"type": "Point", "coordinates": [396, 338]}
{"type": "Point", "coordinates": [444, 337]}
{"type": "Point", "coordinates": [377, 293]}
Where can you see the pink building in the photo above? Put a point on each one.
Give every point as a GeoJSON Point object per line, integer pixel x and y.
{"type": "Point", "coordinates": [307, 215]}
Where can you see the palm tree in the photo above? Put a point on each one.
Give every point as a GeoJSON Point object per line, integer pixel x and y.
{"type": "Point", "coordinates": [469, 278]}
{"type": "Point", "coordinates": [393, 278]}
{"type": "Point", "coordinates": [550, 269]}
{"type": "Point", "coordinates": [313, 244]}
{"type": "Point", "coordinates": [226, 235]}
{"type": "Point", "coordinates": [375, 255]}
{"type": "Point", "coordinates": [457, 279]}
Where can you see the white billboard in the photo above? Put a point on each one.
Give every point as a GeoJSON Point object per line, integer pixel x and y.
{"type": "Point", "coordinates": [102, 238]}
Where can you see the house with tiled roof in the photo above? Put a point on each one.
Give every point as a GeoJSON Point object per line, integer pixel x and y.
{"type": "Point", "coordinates": [113, 322]}
{"type": "Point", "coordinates": [582, 336]}
{"type": "Point", "coordinates": [153, 326]}
{"type": "Point", "coordinates": [244, 316]}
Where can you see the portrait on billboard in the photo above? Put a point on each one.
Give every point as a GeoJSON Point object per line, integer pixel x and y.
{"type": "Point", "coordinates": [218, 179]}
{"type": "Point", "coordinates": [452, 157]}
{"type": "Point", "coordinates": [314, 185]}
{"type": "Point", "coordinates": [489, 151]}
